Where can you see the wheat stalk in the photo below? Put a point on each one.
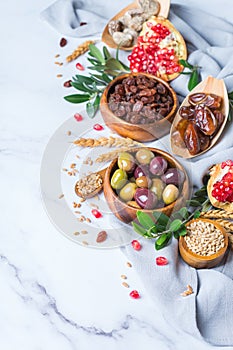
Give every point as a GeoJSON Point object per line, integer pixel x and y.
{"type": "Point", "coordinates": [106, 142]}
{"type": "Point", "coordinates": [217, 214]}
{"type": "Point", "coordinates": [81, 49]}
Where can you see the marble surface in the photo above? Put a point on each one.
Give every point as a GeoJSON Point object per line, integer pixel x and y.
{"type": "Point", "coordinates": [55, 294]}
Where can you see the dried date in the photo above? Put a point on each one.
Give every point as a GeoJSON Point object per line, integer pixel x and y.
{"type": "Point", "coordinates": [205, 120]}
{"type": "Point", "coordinates": [191, 139]}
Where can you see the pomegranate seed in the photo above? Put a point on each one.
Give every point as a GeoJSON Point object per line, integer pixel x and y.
{"type": "Point", "coordinates": [97, 214]}
{"type": "Point", "coordinates": [161, 261]}
{"type": "Point", "coordinates": [136, 245]}
{"type": "Point", "coordinates": [98, 127]}
{"type": "Point", "coordinates": [78, 117]}
{"type": "Point", "coordinates": [67, 83]}
{"type": "Point", "coordinates": [63, 42]}
{"type": "Point", "coordinates": [134, 294]}
{"type": "Point", "coordinates": [227, 163]}
{"type": "Point", "coordinates": [79, 66]}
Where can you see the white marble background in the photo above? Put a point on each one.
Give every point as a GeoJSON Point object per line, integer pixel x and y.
{"type": "Point", "coordinates": [55, 294]}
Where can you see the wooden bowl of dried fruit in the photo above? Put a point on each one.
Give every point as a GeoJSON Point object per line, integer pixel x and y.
{"type": "Point", "coordinates": [145, 179]}
{"type": "Point", "coordinates": [204, 245]}
{"type": "Point", "coordinates": [139, 106]}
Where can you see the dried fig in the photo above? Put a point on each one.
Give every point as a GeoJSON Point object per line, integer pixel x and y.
{"type": "Point", "coordinates": [191, 139]}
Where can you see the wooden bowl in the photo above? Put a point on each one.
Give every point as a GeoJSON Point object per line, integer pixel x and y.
{"type": "Point", "coordinates": [198, 261]}
{"type": "Point", "coordinates": [127, 213]}
{"type": "Point", "coordinates": [138, 132]}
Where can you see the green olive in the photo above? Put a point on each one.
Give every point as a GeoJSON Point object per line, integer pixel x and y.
{"type": "Point", "coordinates": [144, 156]}
{"type": "Point", "coordinates": [118, 179]}
{"type": "Point", "coordinates": [127, 192]}
{"type": "Point", "coordinates": [143, 181]}
{"type": "Point", "coordinates": [157, 187]}
{"type": "Point", "coordinates": [170, 194]}
{"type": "Point", "coordinates": [126, 161]}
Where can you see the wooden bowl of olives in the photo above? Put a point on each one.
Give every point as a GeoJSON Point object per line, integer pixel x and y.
{"type": "Point", "coordinates": [145, 179]}
{"type": "Point", "coordinates": [139, 105]}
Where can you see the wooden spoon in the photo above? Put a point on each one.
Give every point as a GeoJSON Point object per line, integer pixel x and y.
{"type": "Point", "coordinates": [209, 85]}
{"type": "Point", "coordinates": [99, 188]}
{"type": "Point", "coordinates": [107, 38]}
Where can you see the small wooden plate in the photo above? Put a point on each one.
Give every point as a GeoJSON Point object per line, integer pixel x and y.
{"type": "Point", "coordinates": [107, 38]}
{"type": "Point", "coordinates": [209, 85]}
{"type": "Point", "coordinates": [198, 261]}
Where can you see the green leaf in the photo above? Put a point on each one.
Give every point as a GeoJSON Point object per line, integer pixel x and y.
{"type": "Point", "coordinates": [186, 64]}
{"type": "Point", "coordinates": [82, 87]}
{"type": "Point", "coordinates": [201, 192]}
{"type": "Point", "coordinates": [183, 212]}
{"type": "Point", "coordinates": [186, 73]}
{"type": "Point", "coordinates": [95, 52]}
{"type": "Point", "coordinates": [139, 229]}
{"type": "Point", "coordinates": [93, 61]}
{"type": "Point", "coordinates": [144, 219]}
{"type": "Point", "coordinates": [113, 64]}
{"type": "Point", "coordinates": [76, 98]}
{"type": "Point", "coordinates": [230, 95]}
{"type": "Point", "coordinates": [161, 218]}
{"type": "Point", "coordinates": [106, 53]}
{"type": "Point", "coordinates": [83, 79]}
{"type": "Point", "coordinates": [106, 78]}
{"type": "Point", "coordinates": [207, 206]}
{"type": "Point", "coordinates": [152, 229]}
{"type": "Point", "coordinates": [163, 240]}
{"type": "Point", "coordinates": [92, 107]}
{"type": "Point", "coordinates": [197, 214]}
{"type": "Point", "coordinates": [193, 203]}
{"type": "Point", "coordinates": [193, 81]}
{"type": "Point", "coordinates": [182, 231]}
{"type": "Point", "coordinates": [96, 78]}
{"type": "Point", "coordinates": [175, 225]}
{"type": "Point", "coordinates": [99, 68]}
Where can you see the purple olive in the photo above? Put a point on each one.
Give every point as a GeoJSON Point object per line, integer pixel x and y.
{"type": "Point", "coordinates": [173, 176]}
{"type": "Point", "coordinates": [145, 198]}
{"type": "Point", "coordinates": [141, 170]}
{"type": "Point", "coordinates": [158, 166]}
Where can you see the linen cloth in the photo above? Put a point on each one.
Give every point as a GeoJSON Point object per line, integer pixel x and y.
{"type": "Point", "coordinates": [208, 313]}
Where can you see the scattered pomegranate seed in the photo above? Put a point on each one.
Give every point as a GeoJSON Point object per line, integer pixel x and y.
{"type": "Point", "coordinates": [97, 214]}
{"type": "Point", "coordinates": [78, 117]}
{"type": "Point", "coordinates": [136, 245]}
{"type": "Point", "coordinates": [63, 42]}
{"type": "Point", "coordinates": [98, 127]}
{"type": "Point", "coordinates": [161, 261]}
{"type": "Point", "coordinates": [134, 294]}
{"type": "Point", "coordinates": [83, 24]}
{"type": "Point", "coordinates": [79, 66]}
{"type": "Point", "coordinates": [67, 83]}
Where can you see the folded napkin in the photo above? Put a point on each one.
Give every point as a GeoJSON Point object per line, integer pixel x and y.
{"type": "Point", "coordinates": [208, 313]}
